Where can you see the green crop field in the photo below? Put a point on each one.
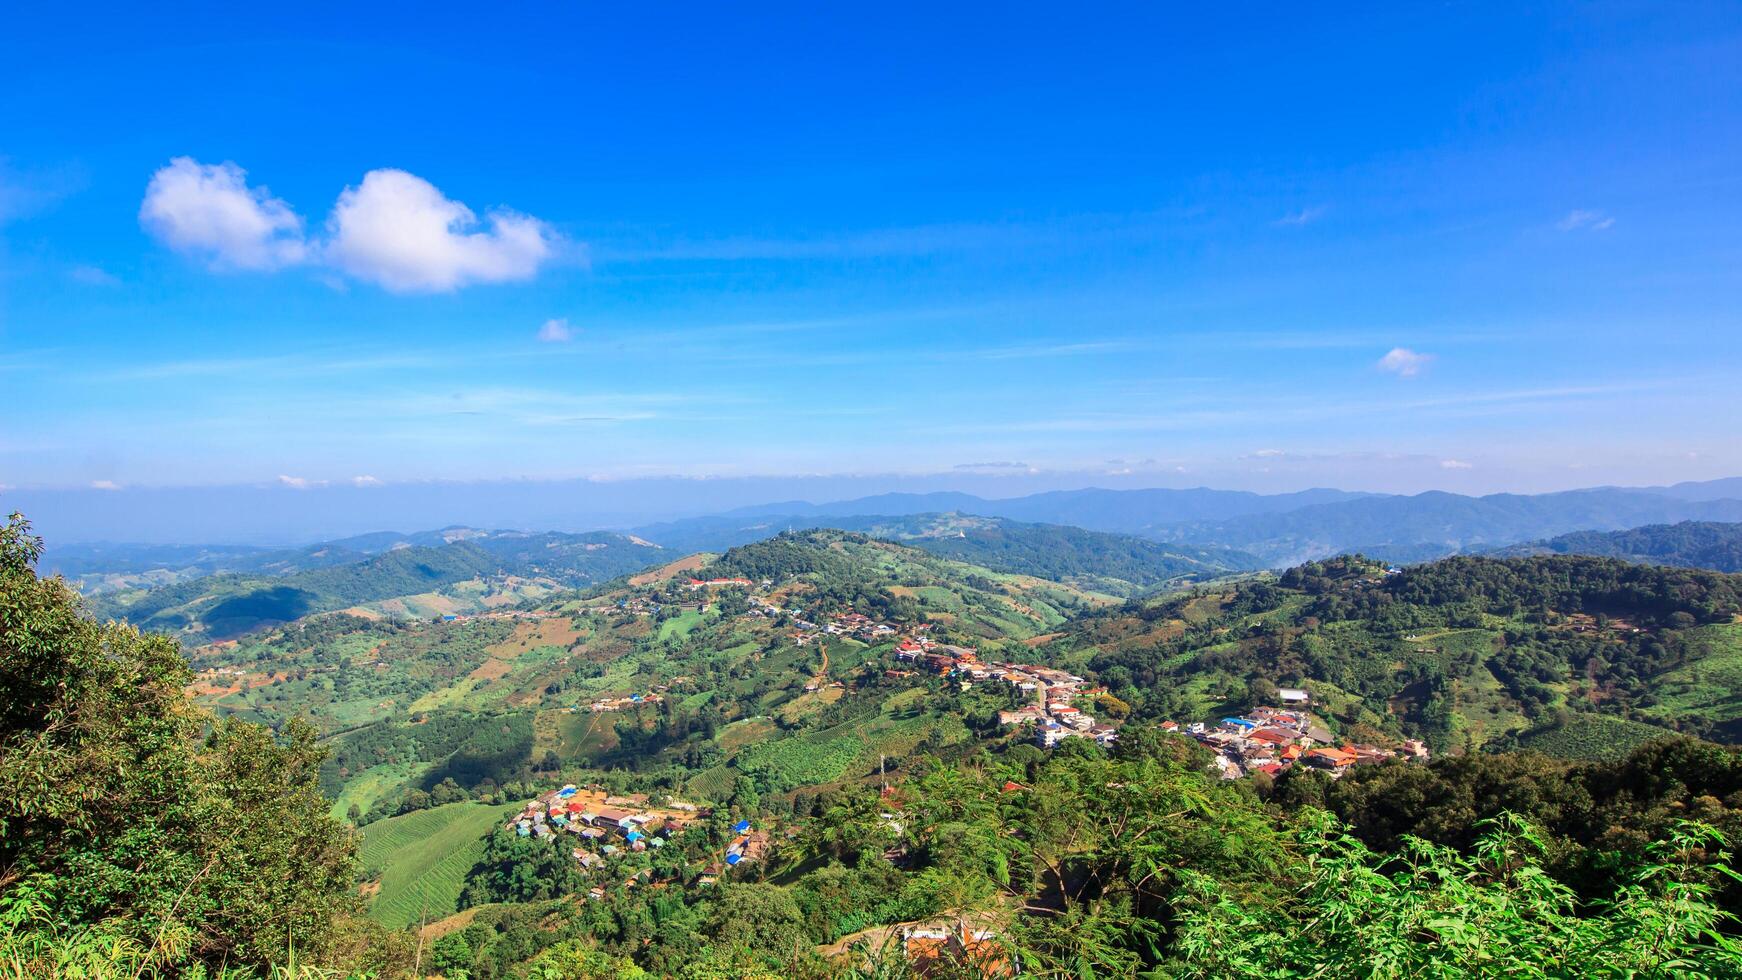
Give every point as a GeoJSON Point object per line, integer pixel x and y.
{"type": "Point", "coordinates": [424, 857]}
{"type": "Point", "coordinates": [1594, 738]}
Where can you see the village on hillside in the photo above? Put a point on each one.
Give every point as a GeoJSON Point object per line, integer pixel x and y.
{"type": "Point", "coordinates": [599, 828]}
{"type": "Point", "coordinates": [1270, 740]}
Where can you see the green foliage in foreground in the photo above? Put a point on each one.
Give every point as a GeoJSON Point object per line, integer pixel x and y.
{"type": "Point", "coordinates": [1431, 912]}
{"type": "Point", "coordinates": [133, 826]}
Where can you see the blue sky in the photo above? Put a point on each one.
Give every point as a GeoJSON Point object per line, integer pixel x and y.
{"type": "Point", "coordinates": [1394, 248]}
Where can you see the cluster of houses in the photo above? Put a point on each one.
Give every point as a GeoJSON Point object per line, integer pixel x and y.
{"type": "Point", "coordinates": [1272, 740]}
{"type": "Point", "coordinates": [611, 824]}
{"type": "Point", "coordinates": [858, 626]}
{"type": "Point", "coordinates": [1053, 714]}
{"type": "Point", "coordinates": [605, 827]}
{"type": "Point", "coordinates": [500, 614]}
{"type": "Point", "coordinates": [625, 702]}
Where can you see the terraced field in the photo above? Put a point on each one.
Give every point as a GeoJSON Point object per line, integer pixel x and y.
{"type": "Point", "coordinates": [423, 858]}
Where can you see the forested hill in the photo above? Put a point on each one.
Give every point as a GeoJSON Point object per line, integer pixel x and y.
{"type": "Point", "coordinates": [1465, 652]}
{"type": "Point", "coordinates": [1690, 544]}
{"type": "Point", "coordinates": [1119, 564]}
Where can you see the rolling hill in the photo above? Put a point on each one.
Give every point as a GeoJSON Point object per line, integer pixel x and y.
{"type": "Point", "coordinates": [459, 569]}
{"type": "Point", "coordinates": [1690, 544]}
{"type": "Point", "coordinates": [1119, 564]}
{"type": "Point", "coordinates": [1464, 652]}
{"type": "Point", "coordinates": [408, 703]}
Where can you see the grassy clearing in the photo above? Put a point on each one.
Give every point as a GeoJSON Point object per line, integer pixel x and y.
{"type": "Point", "coordinates": [679, 626]}
{"type": "Point", "coordinates": [423, 858]}
{"type": "Point", "coordinates": [364, 788]}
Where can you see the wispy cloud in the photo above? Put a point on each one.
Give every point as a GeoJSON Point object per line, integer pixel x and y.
{"type": "Point", "coordinates": [1582, 220]}
{"type": "Point", "coordinates": [105, 485]}
{"type": "Point", "coordinates": [1305, 216]}
{"type": "Point", "coordinates": [1454, 464]}
{"type": "Point", "coordinates": [24, 193]}
{"type": "Point", "coordinates": [90, 275]}
{"type": "Point", "coordinates": [1404, 362]}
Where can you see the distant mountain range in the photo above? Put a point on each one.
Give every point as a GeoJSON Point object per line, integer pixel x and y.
{"type": "Point", "coordinates": [227, 592]}
{"type": "Point", "coordinates": [1279, 529]}
{"type": "Point", "coordinates": [1435, 524]}
{"type": "Point", "coordinates": [1121, 511]}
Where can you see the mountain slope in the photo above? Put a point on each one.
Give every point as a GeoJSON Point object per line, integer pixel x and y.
{"type": "Point", "coordinates": [1118, 564]}
{"type": "Point", "coordinates": [1690, 544]}
{"type": "Point", "coordinates": [757, 688]}
{"type": "Point", "coordinates": [1464, 652]}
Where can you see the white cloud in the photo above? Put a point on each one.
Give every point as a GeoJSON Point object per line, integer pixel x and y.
{"type": "Point", "coordinates": [1269, 453]}
{"type": "Point", "coordinates": [1580, 220]}
{"type": "Point", "coordinates": [105, 485]}
{"type": "Point", "coordinates": [1404, 362]}
{"type": "Point", "coordinates": [211, 212]}
{"type": "Point", "coordinates": [396, 229]}
{"type": "Point", "coordinates": [1454, 464]}
{"type": "Point", "coordinates": [556, 331]}
{"type": "Point", "coordinates": [299, 482]}
{"type": "Point", "coordinates": [365, 481]}
{"type": "Point", "coordinates": [1305, 216]}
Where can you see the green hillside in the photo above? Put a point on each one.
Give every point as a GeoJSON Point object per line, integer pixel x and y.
{"type": "Point", "coordinates": [1101, 561]}
{"type": "Point", "coordinates": [1690, 544]}
{"type": "Point", "coordinates": [496, 703]}
{"type": "Point", "coordinates": [1463, 652]}
{"type": "Point", "coordinates": [419, 861]}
